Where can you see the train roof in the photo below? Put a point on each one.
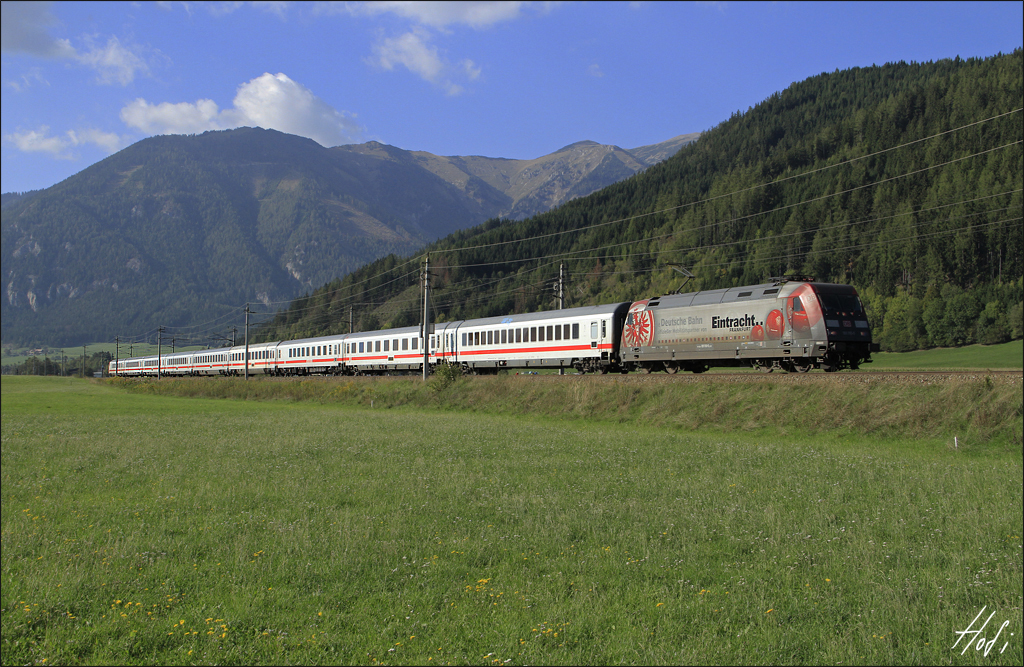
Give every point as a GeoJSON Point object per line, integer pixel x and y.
{"type": "Point", "coordinates": [772, 290]}
{"type": "Point", "coordinates": [545, 315]}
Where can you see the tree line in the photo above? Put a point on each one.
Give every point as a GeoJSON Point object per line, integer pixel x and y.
{"type": "Point", "coordinates": [69, 366]}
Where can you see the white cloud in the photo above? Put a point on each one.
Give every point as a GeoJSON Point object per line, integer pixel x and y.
{"type": "Point", "coordinates": [443, 14]}
{"type": "Point", "coordinates": [412, 52]}
{"type": "Point", "coordinates": [32, 77]}
{"type": "Point", "coordinates": [268, 101]}
{"type": "Point", "coordinates": [413, 49]}
{"type": "Point", "coordinates": [23, 29]}
{"type": "Point", "coordinates": [595, 71]}
{"type": "Point", "coordinates": [229, 7]}
{"type": "Point", "coordinates": [108, 141]}
{"type": "Point", "coordinates": [37, 141]}
{"type": "Point", "coordinates": [59, 146]}
{"type": "Point", "coordinates": [114, 62]}
{"type": "Point", "coordinates": [167, 118]}
{"type": "Point", "coordinates": [272, 7]}
{"type": "Point", "coordinates": [470, 69]}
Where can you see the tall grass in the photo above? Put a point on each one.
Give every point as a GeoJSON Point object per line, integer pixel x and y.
{"type": "Point", "coordinates": [152, 529]}
{"type": "Point", "coordinates": [976, 409]}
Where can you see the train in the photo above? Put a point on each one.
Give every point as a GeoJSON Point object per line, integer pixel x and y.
{"type": "Point", "coordinates": [791, 323]}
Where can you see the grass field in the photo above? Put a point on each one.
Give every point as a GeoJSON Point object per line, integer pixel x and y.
{"type": "Point", "coordinates": [1002, 356]}
{"type": "Point", "coordinates": [146, 528]}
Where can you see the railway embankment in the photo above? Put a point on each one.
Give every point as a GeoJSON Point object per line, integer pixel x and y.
{"type": "Point", "coordinates": [965, 410]}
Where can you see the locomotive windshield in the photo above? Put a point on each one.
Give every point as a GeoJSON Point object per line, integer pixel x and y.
{"type": "Point", "coordinates": [834, 304]}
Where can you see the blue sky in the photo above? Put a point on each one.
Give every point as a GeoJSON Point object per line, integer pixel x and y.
{"type": "Point", "coordinates": [82, 80]}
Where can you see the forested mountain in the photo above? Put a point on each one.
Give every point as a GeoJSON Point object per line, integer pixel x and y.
{"type": "Point", "coordinates": [904, 180]}
{"type": "Point", "coordinates": [175, 230]}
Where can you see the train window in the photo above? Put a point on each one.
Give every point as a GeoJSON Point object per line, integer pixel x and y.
{"type": "Point", "coordinates": [593, 330]}
{"type": "Point", "coordinates": [604, 328]}
{"type": "Point", "coordinates": [387, 346]}
{"type": "Point", "coordinates": [360, 347]}
{"type": "Point", "coordinates": [540, 334]}
{"type": "Point", "coordinates": [841, 303]}
{"type": "Point", "coordinates": [519, 335]}
{"type": "Point", "coordinates": [576, 331]}
{"type": "Point", "coordinates": [565, 331]}
{"type": "Point", "coordinates": [490, 338]}
{"type": "Point", "coordinates": [394, 345]}
{"type": "Point", "coordinates": [463, 340]}
{"type": "Point", "coordinates": [405, 343]}
{"type": "Point", "coordinates": [771, 291]}
{"type": "Point", "coordinates": [558, 332]}
{"type": "Point", "coordinates": [415, 343]}
{"type": "Point", "coordinates": [533, 334]}
{"type": "Point", "coordinates": [504, 336]}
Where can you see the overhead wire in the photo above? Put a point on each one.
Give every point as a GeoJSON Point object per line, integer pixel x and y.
{"type": "Point", "coordinates": [349, 300]}
{"type": "Point", "coordinates": [802, 174]}
{"type": "Point", "coordinates": [578, 230]}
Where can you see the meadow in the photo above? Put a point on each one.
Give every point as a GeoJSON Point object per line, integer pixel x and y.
{"type": "Point", "coordinates": [384, 522]}
{"type": "Point", "coordinates": [1002, 356]}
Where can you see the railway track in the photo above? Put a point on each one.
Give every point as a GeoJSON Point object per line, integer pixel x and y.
{"type": "Point", "coordinates": [860, 376]}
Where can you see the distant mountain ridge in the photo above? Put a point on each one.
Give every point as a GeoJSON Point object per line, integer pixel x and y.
{"type": "Point", "coordinates": [174, 228]}
{"type": "Point", "coordinates": [524, 188]}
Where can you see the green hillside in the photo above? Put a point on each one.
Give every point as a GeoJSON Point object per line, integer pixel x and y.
{"type": "Point", "coordinates": [904, 180]}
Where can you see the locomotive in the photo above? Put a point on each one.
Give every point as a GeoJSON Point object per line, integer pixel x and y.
{"type": "Point", "coordinates": [793, 325]}
{"type": "Point", "coordinates": [790, 323]}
